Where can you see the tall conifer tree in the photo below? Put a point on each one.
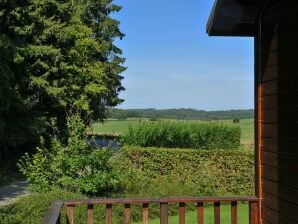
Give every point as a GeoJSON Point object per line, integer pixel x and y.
{"type": "Point", "coordinates": [57, 57]}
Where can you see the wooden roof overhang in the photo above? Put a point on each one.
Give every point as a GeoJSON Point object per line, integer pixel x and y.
{"type": "Point", "coordinates": [234, 17]}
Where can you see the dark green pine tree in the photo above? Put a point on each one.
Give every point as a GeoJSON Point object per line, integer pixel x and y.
{"type": "Point", "coordinates": [57, 58]}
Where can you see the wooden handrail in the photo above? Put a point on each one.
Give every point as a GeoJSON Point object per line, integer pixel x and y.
{"type": "Point", "coordinates": [99, 201]}
{"type": "Point", "coordinates": [53, 215]}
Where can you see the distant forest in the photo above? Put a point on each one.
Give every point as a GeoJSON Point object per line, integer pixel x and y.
{"type": "Point", "coordinates": [180, 114]}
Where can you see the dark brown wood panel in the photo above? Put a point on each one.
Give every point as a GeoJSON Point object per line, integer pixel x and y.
{"type": "Point", "coordinates": [270, 102]}
{"type": "Point", "coordinates": [280, 116]}
{"type": "Point", "coordinates": [286, 146]}
{"type": "Point", "coordinates": [269, 74]}
{"type": "Point", "coordinates": [279, 56]}
{"type": "Point", "coordinates": [279, 160]}
{"type": "Point", "coordinates": [283, 130]}
{"type": "Point", "coordinates": [280, 101]}
{"type": "Point", "coordinates": [284, 207]}
{"type": "Point", "coordinates": [285, 177]}
{"type": "Point", "coordinates": [278, 68]}
{"type": "Point", "coordinates": [270, 116]}
{"type": "Point", "coordinates": [273, 217]}
{"type": "Point", "coordinates": [270, 130]}
{"type": "Point", "coordinates": [285, 29]}
{"type": "Point", "coordinates": [273, 39]}
{"type": "Point", "coordinates": [269, 88]}
{"type": "Point", "coordinates": [288, 68]}
{"type": "Point", "coordinates": [283, 11]}
{"type": "Point", "coordinates": [281, 190]}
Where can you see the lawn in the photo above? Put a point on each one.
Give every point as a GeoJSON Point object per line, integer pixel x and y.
{"type": "Point", "coordinates": [225, 218]}
{"type": "Point", "coordinates": [120, 127]}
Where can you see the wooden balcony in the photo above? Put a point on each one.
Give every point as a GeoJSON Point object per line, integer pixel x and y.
{"type": "Point", "coordinates": [54, 212]}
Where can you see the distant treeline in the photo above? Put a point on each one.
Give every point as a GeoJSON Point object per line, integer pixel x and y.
{"type": "Point", "coordinates": [180, 114]}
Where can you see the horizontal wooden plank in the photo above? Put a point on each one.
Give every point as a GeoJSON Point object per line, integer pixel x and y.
{"type": "Point", "coordinates": [269, 88]}
{"type": "Point", "coordinates": [270, 102]}
{"type": "Point", "coordinates": [284, 29]}
{"type": "Point", "coordinates": [280, 116]}
{"type": "Point", "coordinates": [288, 68]}
{"type": "Point", "coordinates": [286, 146]}
{"type": "Point", "coordinates": [273, 41]}
{"type": "Point", "coordinates": [280, 101]}
{"type": "Point", "coordinates": [280, 130]}
{"type": "Point", "coordinates": [279, 56]}
{"type": "Point", "coordinates": [269, 130]}
{"type": "Point", "coordinates": [273, 217]}
{"type": "Point", "coordinates": [266, 222]}
{"type": "Point", "coordinates": [276, 14]}
{"type": "Point", "coordinates": [269, 74]}
{"type": "Point", "coordinates": [270, 116]}
{"type": "Point", "coordinates": [285, 177]}
{"type": "Point", "coordinates": [157, 200]}
{"type": "Point", "coordinates": [279, 160]}
{"type": "Point", "coordinates": [284, 207]}
{"type": "Point", "coordinates": [280, 190]}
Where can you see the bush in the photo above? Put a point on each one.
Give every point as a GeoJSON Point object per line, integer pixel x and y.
{"type": "Point", "coordinates": [183, 135]}
{"type": "Point", "coordinates": [74, 166]}
{"type": "Point", "coordinates": [153, 172]}
{"type": "Point", "coordinates": [236, 120]}
{"type": "Point", "coordinates": [32, 208]}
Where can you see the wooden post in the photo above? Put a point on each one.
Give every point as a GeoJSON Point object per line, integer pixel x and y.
{"type": "Point", "coordinates": [126, 213]}
{"type": "Point", "coordinates": [90, 212]}
{"type": "Point", "coordinates": [163, 213]}
{"type": "Point", "coordinates": [253, 212]}
{"type": "Point", "coordinates": [234, 212]}
{"type": "Point", "coordinates": [181, 213]}
{"type": "Point", "coordinates": [69, 214]}
{"type": "Point", "coordinates": [200, 212]}
{"type": "Point", "coordinates": [216, 212]}
{"type": "Point", "coordinates": [108, 214]}
{"type": "Point", "coordinates": [145, 214]}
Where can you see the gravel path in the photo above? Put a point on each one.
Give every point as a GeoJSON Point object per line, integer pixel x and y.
{"type": "Point", "coordinates": [10, 193]}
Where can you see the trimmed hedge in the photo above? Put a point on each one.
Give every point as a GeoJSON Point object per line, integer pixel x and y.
{"type": "Point", "coordinates": [171, 134]}
{"type": "Point", "coordinates": [185, 172]}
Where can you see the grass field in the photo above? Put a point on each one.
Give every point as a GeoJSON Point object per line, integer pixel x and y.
{"type": "Point", "coordinates": [225, 217]}
{"type": "Point", "coordinates": [121, 127]}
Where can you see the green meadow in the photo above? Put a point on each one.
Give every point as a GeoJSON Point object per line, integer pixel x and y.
{"type": "Point", "coordinates": [121, 127]}
{"type": "Point", "coordinates": [225, 216]}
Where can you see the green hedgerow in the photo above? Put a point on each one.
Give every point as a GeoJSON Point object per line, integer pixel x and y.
{"type": "Point", "coordinates": [183, 135]}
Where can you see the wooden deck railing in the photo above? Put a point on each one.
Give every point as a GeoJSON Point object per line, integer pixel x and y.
{"type": "Point", "coordinates": [54, 212]}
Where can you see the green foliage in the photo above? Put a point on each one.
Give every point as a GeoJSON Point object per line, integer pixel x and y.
{"type": "Point", "coordinates": [183, 135]}
{"type": "Point", "coordinates": [153, 172]}
{"type": "Point", "coordinates": [236, 121]}
{"type": "Point", "coordinates": [74, 166]}
{"type": "Point", "coordinates": [57, 58]}
{"type": "Point", "coordinates": [32, 208]}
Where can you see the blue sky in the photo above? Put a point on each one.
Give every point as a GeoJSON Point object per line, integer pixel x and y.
{"type": "Point", "coordinates": [172, 63]}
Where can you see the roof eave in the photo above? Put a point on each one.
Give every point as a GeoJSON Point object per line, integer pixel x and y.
{"type": "Point", "coordinates": [232, 19]}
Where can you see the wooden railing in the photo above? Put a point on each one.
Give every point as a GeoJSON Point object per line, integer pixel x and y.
{"type": "Point", "coordinates": [54, 212]}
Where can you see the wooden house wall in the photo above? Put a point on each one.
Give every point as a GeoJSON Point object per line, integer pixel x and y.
{"type": "Point", "coordinates": [277, 85]}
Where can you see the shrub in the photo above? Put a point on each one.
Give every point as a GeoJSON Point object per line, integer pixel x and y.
{"type": "Point", "coordinates": [236, 121]}
{"type": "Point", "coordinates": [183, 135]}
{"type": "Point", "coordinates": [32, 208]}
{"type": "Point", "coordinates": [152, 172]}
{"type": "Point", "coordinates": [74, 166]}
